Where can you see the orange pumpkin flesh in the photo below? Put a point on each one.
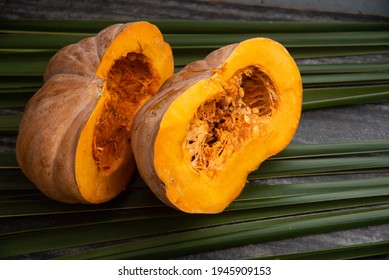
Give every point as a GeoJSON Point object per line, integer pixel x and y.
{"type": "Point", "coordinates": [215, 121]}
{"type": "Point", "coordinates": [74, 137]}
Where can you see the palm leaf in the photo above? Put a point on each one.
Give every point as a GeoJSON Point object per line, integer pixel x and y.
{"type": "Point", "coordinates": [177, 244]}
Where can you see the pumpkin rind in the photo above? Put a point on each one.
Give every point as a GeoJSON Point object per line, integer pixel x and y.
{"type": "Point", "coordinates": [48, 143]}
{"type": "Point", "coordinates": [242, 104]}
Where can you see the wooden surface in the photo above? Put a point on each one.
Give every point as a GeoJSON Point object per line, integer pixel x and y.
{"type": "Point", "coordinates": [357, 122]}
{"type": "Point", "coordinates": [188, 9]}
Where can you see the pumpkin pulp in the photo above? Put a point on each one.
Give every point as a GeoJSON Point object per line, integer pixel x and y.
{"type": "Point", "coordinates": [130, 82]}
{"type": "Point", "coordinates": [222, 125]}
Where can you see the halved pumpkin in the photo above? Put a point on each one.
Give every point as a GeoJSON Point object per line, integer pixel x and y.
{"type": "Point", "coordinates": [215, 121]}
{"type": "Point", "coordinates": [74, 137]}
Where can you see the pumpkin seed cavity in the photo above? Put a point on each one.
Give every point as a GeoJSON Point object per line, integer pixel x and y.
{"type": "Point", "coordinates": [222, 125]}
{"type": "Point", "coordinates": [130, 82]}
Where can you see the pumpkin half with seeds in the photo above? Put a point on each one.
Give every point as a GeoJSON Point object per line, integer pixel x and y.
{"type": "Point", "coordinates": [215, 121]}
{"type": "Point", "coordinates": [74, 137]}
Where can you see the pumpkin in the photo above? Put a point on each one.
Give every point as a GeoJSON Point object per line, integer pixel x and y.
{"type": "Point", "coordinates": [74, 136]}
{"type": "Point", "coordinates": [215, 121]}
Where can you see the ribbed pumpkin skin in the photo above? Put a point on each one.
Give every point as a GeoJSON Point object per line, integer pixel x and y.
{"type": "Point", "coordinates": [55, 116]}
{"type": "Point", "coordinates": [49, 131]}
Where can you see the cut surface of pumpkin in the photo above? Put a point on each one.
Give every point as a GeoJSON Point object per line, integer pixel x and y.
{"type": "Point", "coordinates": [130, 82]}
{"type": "Point", "coordinates": [91, 94]}
{"type": "Point", "coordinates": [215, 122]}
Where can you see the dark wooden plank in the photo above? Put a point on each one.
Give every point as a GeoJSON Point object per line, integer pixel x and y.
{"type": "Point", "coordinates": [173, 9]}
